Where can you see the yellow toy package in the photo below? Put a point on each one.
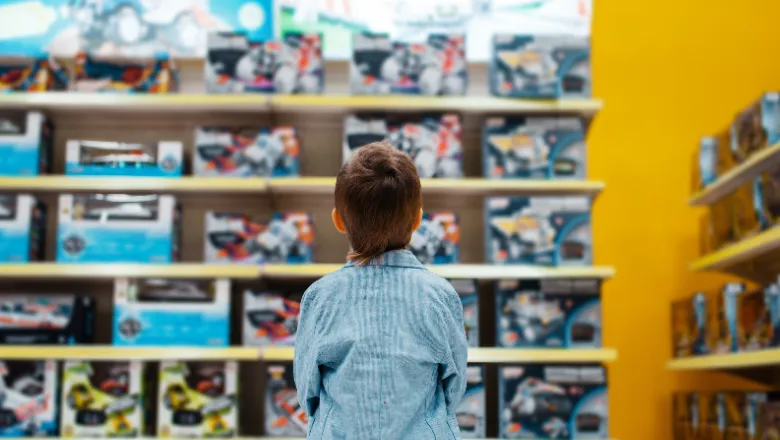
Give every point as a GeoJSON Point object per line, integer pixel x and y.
{"type": "Point", "coordinates": [754, 328]}
{"type": "Point", "coordinates": [682, 314]}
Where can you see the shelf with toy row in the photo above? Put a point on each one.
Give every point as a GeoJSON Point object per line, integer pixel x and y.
{"type": "Point", "coordinates": [233, 438]}
{"type": "Point", "coordinates": [758, 358]}
{"type": "Point", "coordinates": [742, 251]}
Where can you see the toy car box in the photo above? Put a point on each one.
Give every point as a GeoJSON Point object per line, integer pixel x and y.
{"type": "Point", "coordinates": [756, 127]}
{"type": "Point", "coordinates": [172, 312]}
{"type": "Point", "coordinates": [271, 318]}
{"type": "Point", "coordinates": [46, 319]}
{"type": "Point", "coordinates": [198, 399]}
{"type": "Point", "coordinates": [102, 399]}
{"type": "Point", "coordinates": [234, 238]}
{"type": "Point", "coordinates": [471, 410]}
{"type": "Point", "coordinates": [25, 143]}
{"type": "Point", "coordinates": [381, 66]}
{"type": "Point", "coordinates": [437, 239]}
{"type": "Point", "coordinates": [432, 141]}
{"type": "Point", "coordinates": [553, 401]}
{"type": "Point", "coordinates": [533, 148]}
{"type": "Point", "coordinates": [109, 228]}
{"type": "Point", "coordinates": [125, 76]}
{"type": "Point", "coordinates": [536, 66]}
{"type": "Point", "coordinates": [22, 229]}
{"type": "Point", "coordinates": [469, 298]}
{"type": "Point", "coordinates": [98, 158]}
{"type": "Point", "coordinates": [39, 75]}
{"type": "Point", "coordinates": [293, 64]}
{"type": "Point", "coordinates": [545, 231]}
{"type": "Point", "coordinates": [284, 416]}
{"type": "Point", "coordinates": [243, 152]}
{"type": "Point", "coordinates": [28, 407]}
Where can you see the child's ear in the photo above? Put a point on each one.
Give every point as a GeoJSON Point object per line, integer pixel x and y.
{"type": "Point", "coordinates": [418, 221]}
{"type": "Point", "coordinates": [337, 221]}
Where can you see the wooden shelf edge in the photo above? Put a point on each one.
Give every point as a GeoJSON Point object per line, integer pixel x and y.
{"type": "Point", "coordinates": [51, 270]}
{"type": "Point", "coordinates": [109, 352]}
{"type": "Point", "coordinates": [748, 359]}
{"type": "Point", "coordinates": [738, 252]}
{"type": "Point", "coordinates": [184, 184]}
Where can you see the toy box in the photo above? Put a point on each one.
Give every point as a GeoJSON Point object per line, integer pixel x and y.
{"type": "Point", "coordinates": [25, 143]}
{"type": "Point", "coordinates": [772, 304]}
{"type": "Point", "coordinates": [28, 407]}
{"type": "Point", "coordinates": [712, 159]}
{"type": "Point", "coordinates": [754, 328]}
{"type": "Point", "coordinates": [283, 415]}
{"type": "Point", "coordinates": [471, 411]}
{"type": "Point", "coordinates": [718, 227]}
{"type": "Point", "coordinates": [102, 399]}
{"type": "Point", "coordinates": [469, 298]}
{"type": "Point", "coordinates": [682, 334]}
{"type": "Point", "coordinates": [547, 231]}
{"type": "Point", "coordinates": [109, 228]}
{"type": "Point", "coordinates": [701, 309]}
{"type": "Point", "coordinates": [171, 312]}
{"type": "Point", "coordinates": [234, 238]}
{"type": "Point", "coordinates": [437, 239]}
{"type": "Point", "coordinates": [432, 141]}
{"type": "Point", "coordinates": [271, 318]}
{"type": "Point", "coordinates": [22, 229]}
{"type": "Point", "coordinates": [536, 66]}
{"type": "Point", "coordinates": [552, 401]}
{"type": "Point", "coordinates": [533, 148]}
{"type": "Point", "coordinates": [548, 313]}
{"type": "Point", "coordinates": [198, 399]}
{"type": "Point", "coordinates": [39, 75]}
{"type": "Point", "coordinates": [293, 64]}
{"type": "Point", "coordinates": [126, 76]}
{"type": "Point", "coordinates": [741, 411]}
{"type": "Point", "coordinates": [756, 127]}
{"type": "Point", "coordinates": [766, 198]}
{"type": "Point", "coordinates": [768, 423]}
{"type": "Point", "coordinates": [708, 420]}
{"type": "Point", "coordinates": [381, 66]}
{"type": "Point", "coordinates": [726, 333]}
{"type": "Point", "coordinates": [245, 152]}
{"type": "Point", "coordinates": [46, 319]}
{"type": "Point", "coordinates": [686, 416]}
{"type": "Point", "coordinates": [98, 158]}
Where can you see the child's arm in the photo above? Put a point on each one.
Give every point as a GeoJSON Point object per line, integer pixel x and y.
{"type": "Point", "coordinates": [456, 352]}
{"type": "Point", "coordinates": [305, 366]}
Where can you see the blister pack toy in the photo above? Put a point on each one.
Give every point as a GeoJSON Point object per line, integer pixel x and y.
{"type": "Point", "coordinates": [22, 229]}
{"type": "Point", "coordinates": [283, 414]}
{"type": "Point", "coordinates": [271, 318]}
{"type": "Point", "coordinates": [242, 152]}
{"type": "Point", "coordinates": [471, 411]}
{"type": "Point", "coordinates": [46, 319]}
{"type": "Point", "coordinates": [125, 76]}
{"type": "Point", "coordinates": [756, 127]}
{"type": "Point", "coordinates": [39, 75]}
{"type": "Point", "coordinates": [467, 290]}
{"type": "Point", "coordinates": [25, 143]}
{"type": "Point", "coordinates": [437, 239]}
{"type": "Point", "coordinates": [28, 398]}
{"type": "Point", "coordinates": [101, 158]}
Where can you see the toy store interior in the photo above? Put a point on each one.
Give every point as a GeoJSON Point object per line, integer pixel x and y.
{"type": "Point", "coordinates": [598, 183]}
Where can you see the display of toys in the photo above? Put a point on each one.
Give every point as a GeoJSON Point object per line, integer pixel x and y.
{"type": "Point", "coordinates": [548, 231]}
{"type": "Point", "coordinates": [106, 228]}
{"type": "Point", "coordinates": [724, 330]}
{"type": "Point", "coordinates": [533, 148]}
{"type": "Point", "coordinates": [25, 143]}
{"type": "Point", "coordinates": [98, 158]}
{"type": "Point", "coordinates": [437, 239]}
{"type": "Point", "coordinates": [39, 75]}
{"type": "Point", "coordinates": [712, 159]}
{"type": "Point", "coordinates": [381, 66]}
{"type": "Point", "coordinates": [171, 312]}
{"type": "Point", "coordinates": [766, 198]}
{"type": "Point", "coordinates": [691, 321]}
{"type": "Point", "coordinates": [102, 399]}
{"type": "Point", "coordinates": [471, 411]}
{"type": "Point", "coordinates": [467, 290]}
{"type": "Point", "coordinates": [271, 318]}
{"type": "Point", "coordinates": [284, 416]}
{"type": "Point", "coordinates": [22, 229]}
{"type": "Point", "coordinates": [538, 66]}
{"type": "Point", "coordinates": [28, 319]}
{"type": "Point", "coordinates": [28, 394]}
{"type": "Point", "coordinates": [198, 399]}
{"type": "Point", "coordinates": [553, 401]}
{"type": "Point", "coordinates": [433, 141]}
{"type": "Point", "coordinates": [772, 304]}
{"type": "Point", "coordinates": [756, 127]}
{"type": "Point", "coordinates": [246, 152]}
{"type": "Point", "coordinates": [292, 65]}
{"type": "Point", "coordinates": [125, 76]}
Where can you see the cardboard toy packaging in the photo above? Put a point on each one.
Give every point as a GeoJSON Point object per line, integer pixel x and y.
{"type": "Point", "coordinates": [40, 74]}
{"type": "Point", "coordinates": [158, 75]}
{"type": "Point", "coordinates": [701, 307]}
{"type": "Point", "coordinates": [271, 317]}
{"type": "Point", "coordinates": [469, 298]}
{"type": "Point", "coordinates": [768, 423]}
{"type": "Point", "coordinates": [471, 411]}
{"type": "Point", "coordinates": [28, 319]}
{"type": "Point", "coordinates": [766, 198]}
{"type": "Point", "coordinates": [25, 143]}
{"type": "Point", "coordinates": [437, 239]}
{"type": "Point", "coordinates": [99, 158]}
{"type": "Point", "coordinates": [754, 329]}
{"type": "Point", "coordinates": [283, 415]}
{"type": "Point", "coordinates": [719, 226]}
{"type": "Point", "coordinates": [244, 152]}
{"type": "Point", "coordinates": [772, 304]}
{"type": "Point", "coordinates": [22, 229]}
{"type": "Point", "coordinates": [686, 416]}
{"type": "Point", "coordinates": [29, 403]}
{"type": "Point", "coordinates": [726, 334]}
{"type": "Point", "coordinates": [682, 337]}
{"type": "Point", "coordinates": [756, 127]}
{"type": "Point", "coordinates": [746, 210]}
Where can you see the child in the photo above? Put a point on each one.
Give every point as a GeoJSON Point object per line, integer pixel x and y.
{"type": "Point", "coordinates": [380, 350]}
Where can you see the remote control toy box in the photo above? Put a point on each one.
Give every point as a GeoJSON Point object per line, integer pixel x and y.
{"type": "Point", "coordinates": [437, 239]}
{"type": "Point", "coordinates": [471, 411]}
{"type": "Point", "coordinates": [46, 319]}
{"type": "Point", "coordinates": [39, 75]}
{"type": "Point", "coordinates": [245, 152]}
{"type": "Point", "coordinates": [25, 143]}
{"type": "Point", "coordinates": [28, 406]}
{"type": "Point", "coordinates": [283, 414]}
{"type": "Point", "coordinates": [22, 229]}
{"type": "Point", "coordinates": [98, 158]}
{"type": "Point", "coordinates": [125, 76]}
{"type": "Point", "coordinates": [271, 318]}
{"type": "Point", "coordinates": [467, 290]}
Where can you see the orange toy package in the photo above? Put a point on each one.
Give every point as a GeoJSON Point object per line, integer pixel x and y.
{"type": "Point", "coordinates": [754, 328]}
{"type": "Point", "coordinates": [681, 328]}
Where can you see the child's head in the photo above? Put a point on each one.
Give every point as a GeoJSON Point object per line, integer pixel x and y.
{"type": "Point", "coordinates": [378, 201]}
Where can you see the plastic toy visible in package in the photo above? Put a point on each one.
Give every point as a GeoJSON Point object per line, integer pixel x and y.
{"type": "Point", "coordinates": [381, 66]}
{"type": "Point", "coordinates": [103, 399]}
{"type": "Point", "coordinates": [756, 127]}
{"type": "Point", "coordinates": [126, 76]}
{"type": "Point", "coordinates": [98, 158]}
{"type": "Point", "coordinates": [245, 152]}
{"type": "Point", "coordinates": [22, 229]}
{"type": "Point", "coordinates": [198, 399]}
{"type": "Point", "coordinates": [25, 143]}
{"type": "Point", "coordinates": [39, 75]}
{"type": "Point", "coordinates": [171, 312]}
{"type": "Point", "coordinates": [271, 318]}
{"type": "Point", "coordinates": [467, 290]}
{"type": "Point", "coordinates": [28, 393]}
{"type": "Point", "coordinates": [437, 239]}
{"type": "Point", "coordinates": [549, 231]}
{"type": "Point", "coordinates": [283, 414]}
{"type": "Point", "coordinates": [471, 411]}
{"type": "Point", "coordinates": [106, 228]}
{"type": "Point", "coordinates": [293, 64]}
{"type": "Point", "coordinates": [725, 334]}
{"type": "Point", "coordinates": [537, 66]}
{"type": "Point", "coordinates": [46, 319]}
{"type": "Point", "coordinates": [433, 141]}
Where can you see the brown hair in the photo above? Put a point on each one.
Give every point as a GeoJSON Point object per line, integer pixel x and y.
{"type": "Point", "coordinates": [378, 197]}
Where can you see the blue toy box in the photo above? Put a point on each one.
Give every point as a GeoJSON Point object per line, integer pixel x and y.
{"type": "Point", "coordinates": [437, 239]}
{"type": "Point", "coordinates": [118, 228]}
{"type": "Point", "coordinates": [467, 290]}
{"type": "Point", "coordinates": [172, 312]}
{"type": "Point", "coordinates": [471, 410]}
{"type": "Point", "coordinates": [25, 143]}
{"type": "Point", "coordinates": [39, 75]}
{"type": "Point", "coordinates": [125, 76]}
{"type": "Point", "coordinates": [545, 231]}
{"type": "Point", "coordinates": [243, 152]}
{"type": "Point", "coordinates": [46, 319]}
{"type": "Point", "coordinates": [22, 229]}
{"type": "Point", "coordinates": [756, 127]}
{"type": "Point", "coordinates": [29, 391]}
{"type": "Point", "coordinates": [98, 158]}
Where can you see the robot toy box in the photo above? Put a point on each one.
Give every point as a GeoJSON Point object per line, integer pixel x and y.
{"type": "Point", "coordinates": [46, 319]}
{"type": "Point", "coordinates": [40, 75]}
{"type": "Point", "coordinates": [25, 143]}
{"type": "Point", "coordinates": [471, 411]}
{"type": "Point", "coordinates": [552, 401]}
{"type": "Point", "coordinates": [22, 229]}
{"type": "Point", "coordinates": [28, 407]}
{"type": "Point", "coordinates": [545, 231]}
{"type": "Point", "coordinates": [437, 239]}
{"type": "Point", "coordinates": [113, 228]}
{"type": "Point", "coordinates": [381, 66]}
{"type": "Point", "coordinates": [271, 318]}
{"type": "Point", "coordinates": [533, 148]}
{"type": "Point", "coordinates": [246, 152]}
{"type": "Point", "coordinates": [198, 399]}
{"type": "Point", "coordinates": [102, 399]}
{"type": "Point", "coordinates": [125, 76]}
{"type": "Point", "coordinates": [467, 290]}
{"type": "Point", "coordinates": [534, 66]}
{"type": "Point", "coordinates": [98, 158]}
{"type": "Point", "coordinates": [293, 64]}
{"type": "Point", "coordinates": [756, 127]}
{"type": "Point", "coordinates": [283, 415]}
{"type": "Point", "coordinates": [172, 312]}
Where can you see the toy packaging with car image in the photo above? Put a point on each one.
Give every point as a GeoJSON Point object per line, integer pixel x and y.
{"type": "Point", "coordinates": [25, 143]}
{"type": "Point", "coordinates": [756, 127]}
{"type": "Point", "coordinates": [100, 158]}
{"type": "Point", "coordinates": [243, 152]}
{"type": "Point", "coordinates": [471, 410]}
{"type": "Point", "coordinates": [40, 74]}
{"type": "Point", "coordinates": [271, 317]}
{"type": "Point", "coordinates": [28, 407]}
{"type": "Point", "coordinates": [437, 239]}
{"type": "Point", "coordinates": [22, 229]}
{"type": "Point", "coordinates": [157, 312]}
{"type": "Point", "coordinates": [284, 416]}
{"type": "Point", "coordinates": [469, 299]}
{"type": "Point", "coordinates": [125, 75]}
{"type": "Point", "coordinates": [46, 319]}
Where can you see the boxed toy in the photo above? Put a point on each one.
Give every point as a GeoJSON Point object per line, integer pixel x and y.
{"type": "Point", "coordinates": [712, 159]}
{"type": "Point", "coordinates": [725, 333]}
{"type": "Point", "coordinates": [756, 127]}
{"type": "Point", "coordinates": [718, 228]}
{"type": "Point", "coordinates": [293, 64]}
{"type": "Point", "coordinates": [741, 411]}
{"type": "Point", "coordinates": [437, 239]}
{"type": "Point", "coordinates": [234, 238]}
{"type": "Point", "coordinates": [533, 148]}
{"type": "Point", "coordinates": [753, 325]}
{"type": "Point", "coordinates": [39, 75]}
{"type": "Point", "coordinates": [746, 208]}
{"type": "Point", "coordinates": [469, 298]}
{"type": "Point", "coordinates": [25, 143]}
{"type": "Point", "coordinates": [110, 228]}
{"type": "Point", "coordinates": [242, 152]}
{"type": "Point", "coordinates": [708, 418]}
{"type": "Point", "coordinates": [768, 423]}
{"type": "Point", "coordinates": [682, 333]}
{"type": "Point", "coordinates": [772, 304]}
{"type": "Point", "coordinates": [432, 141]}
{"type": "Point", "coordinates": [701, 308]}
{"type": "Point", "coordinates": [97, 158]}
{"type": "Point", "coordinates": [171, 312]}
{"type": "Point", "coordinates": [537, 66]}
{"type": "Point", "coordinates": [766, 198]}
{"type": "Point", "coordinates": [271, 318]}
{"type": "Point", "coordinates": [46, 319]}
{"type": "Point", "coordinates": [471, 411]}
{"type": "Point", "coordinates": [284, 417]}
{"type": "Point", "coordinates": [126, 76]}
{"type": "Point", "coordinates": [198, 399]}
{"type": "Point", "coordinates": [28, 407]}
{"type": "Point", "coordinates": [381, 66]}
{"type": "Point", "coordinates": [22, 229]}
{"type": "Point", "coordinates": [549, 231]}
{"type": "Point", "coordinates": [686, 416]}
{"type": "Point", "coordinates": [102, 399]}
{"type": "Point", "coordinates": [552, 401]}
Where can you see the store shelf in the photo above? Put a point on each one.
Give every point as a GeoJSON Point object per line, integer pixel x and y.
{"type": "Point", "coordinates": [727, 361]}
{"type": "Point", "coordinates": [108, 352]}
{"type": "Point", "coordinates": [140, 103]}
{"type": "Point", "coordinates": [742, 251]}
{"type": "Point", "coordinates": [86, 271]}
{"type": "Point", "coordinates": [197, 185]}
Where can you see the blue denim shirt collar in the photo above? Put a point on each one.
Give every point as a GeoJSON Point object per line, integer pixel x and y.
{"type": "Point", "coordinates": [396, 258]}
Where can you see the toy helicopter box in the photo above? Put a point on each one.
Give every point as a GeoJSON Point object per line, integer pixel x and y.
{"type": "Point", "coordinates": [293, 64]}
{"type": "Point", "coordinates": [756, 127]}
{"type": "Point", "coordinates": [271, 318]}
{"type": "Point", "coordinates": [113, 228]}
{"type": "Point", "coordinates": [437, 239]}
{"type": "Point", "coordinates": [126, 76]}
{"type": "Point", "coordinates": [22, 229]}
{"type": "Point", "coordinates": [97, 158]}
{"type": "Point", "coordinates": [198, 399]}
{"type": "Point", "coordinates": [471, 410]}
{"type": "Point", "coordinates": [381, 66]}
{"type": "Point", "coordinates": [39, 75]}
{"type": "Point", "coordinates": [533, 148]}
{"type": "Point", "coordinates": [553, 401]}
{"type": "Point", "coordinates": [172, 312]}
{"type": "Point", "coordinates": [467, 290]}
{"type": "Point", "coordinates": [25, 143]}
{"type": "Point", "coordinates": [102, 399]}
{"type": "Point", "coordinates": [283, 415]}
{"type": "Point", "coordinates": [29, 404]}
{"type": "Point", "coordinates": [46, 319]}
{"type": "Point", "coordinates": [243, 152]}
{"type": "Point", "coordinates": [432, 141]}
{"type": "Point", "coordinates": [545, 231]}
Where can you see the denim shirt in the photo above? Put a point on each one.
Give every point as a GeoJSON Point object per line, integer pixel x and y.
{"type": "Point", "coordinates": [380, 353]}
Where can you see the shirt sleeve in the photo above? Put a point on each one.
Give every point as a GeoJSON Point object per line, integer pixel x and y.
{"type": "Point", "coordinates": [455, 352]}
{"type": "Point", "coordinates": [305, 366]}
